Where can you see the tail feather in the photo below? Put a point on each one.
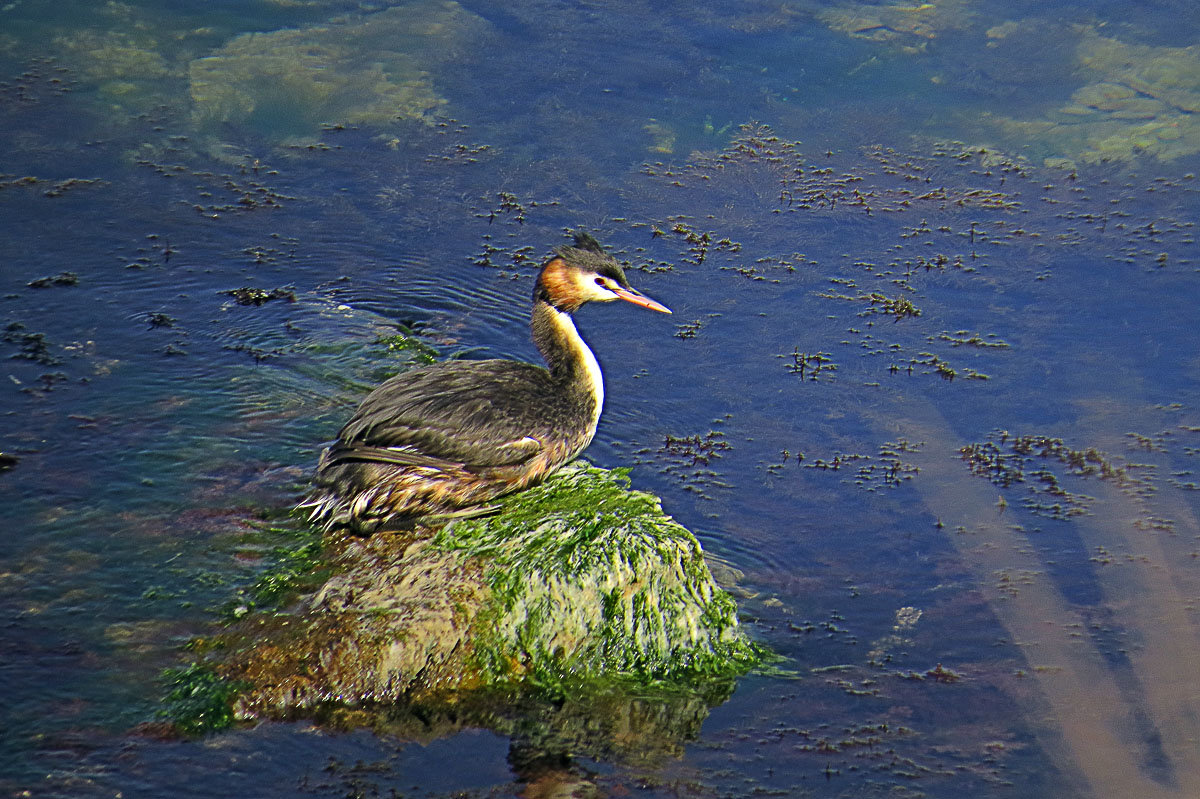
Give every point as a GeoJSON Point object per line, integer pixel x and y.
{"type": "Point", "coordinates": [361, 490]}
{"type": "Point", "coordinates": [362, 512]}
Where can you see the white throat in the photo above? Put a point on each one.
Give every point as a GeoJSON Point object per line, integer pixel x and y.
{"type": "Point", "coordinates": [591, 367]}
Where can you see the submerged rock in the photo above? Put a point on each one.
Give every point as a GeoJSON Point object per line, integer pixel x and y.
{"type": "Point", "coordinates": [577, 580]}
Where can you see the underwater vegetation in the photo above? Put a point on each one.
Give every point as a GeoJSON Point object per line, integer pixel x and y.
{"type": "Point", "coordinates": [1134, 99]}
{"type": "Point", "coordinates": [373, 68]}
{"type": "Point", "coordinates": [1140, 100]}
{"type": "Point", "coordinates": [371, 71]}
{"type": "Point", "coordinates": [907, 26]}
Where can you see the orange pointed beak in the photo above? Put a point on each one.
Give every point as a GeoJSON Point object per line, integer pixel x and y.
{"type": "Point", "coordinates": [637, 298]}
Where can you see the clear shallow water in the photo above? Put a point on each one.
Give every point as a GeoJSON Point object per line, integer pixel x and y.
{"type": "Point", "coordinates": [907, 153]}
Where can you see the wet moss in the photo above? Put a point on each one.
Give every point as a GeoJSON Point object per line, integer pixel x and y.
{"type": "Point", "coordinates": [198, 699]}
{"type": "Point", "coordinates": [585, 542]}
{"type": "Point", "coordinates": [294, 568]}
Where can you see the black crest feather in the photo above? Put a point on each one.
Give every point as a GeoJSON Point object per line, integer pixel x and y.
{"type": "Point", "coordinates": [585, 241]}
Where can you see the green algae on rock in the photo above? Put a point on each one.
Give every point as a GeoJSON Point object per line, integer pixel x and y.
{"type": "Point", "coordinates": [198, 699]}
{"type": "Point", "coordinates": [587, 576]}
{"type": "Point", "coordinates": [576, 582]}
{"type": "Point", "coordinates": [369, 71]}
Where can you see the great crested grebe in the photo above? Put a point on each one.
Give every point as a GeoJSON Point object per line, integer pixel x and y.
{"type": "Point", "coordinates": [447, 437]}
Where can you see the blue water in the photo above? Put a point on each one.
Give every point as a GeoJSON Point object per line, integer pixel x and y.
{"type": "Point", "coordinates": [914, 153]}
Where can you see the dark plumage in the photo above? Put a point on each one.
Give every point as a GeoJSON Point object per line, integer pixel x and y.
{"type": "Point", "coordinates": [457, 434]}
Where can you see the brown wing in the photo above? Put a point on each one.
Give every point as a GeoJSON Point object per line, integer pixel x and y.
{"type": "Point", "coordinates": [473, 414]}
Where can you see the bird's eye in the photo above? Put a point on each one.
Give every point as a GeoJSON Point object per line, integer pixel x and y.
{"type": "Point", "coordinates": [600, 281]}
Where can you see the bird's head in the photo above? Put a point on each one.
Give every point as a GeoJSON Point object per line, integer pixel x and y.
{"type": "Point", "coordinates": [583, 273]}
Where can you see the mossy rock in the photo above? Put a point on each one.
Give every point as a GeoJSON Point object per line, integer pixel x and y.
{"type": "Point", "coordinates": [575, 582]}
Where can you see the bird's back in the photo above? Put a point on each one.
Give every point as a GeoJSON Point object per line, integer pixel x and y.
{"type": "Point", "coordinates": [446, 436]}
{"type": "Point", "coordinates": [464, 411]}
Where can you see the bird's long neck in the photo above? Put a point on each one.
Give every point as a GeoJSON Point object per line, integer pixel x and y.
{"type": "Point", "coordinates": [568, 357]}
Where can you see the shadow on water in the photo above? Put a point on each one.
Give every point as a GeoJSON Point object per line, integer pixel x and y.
{"type": "Point", "coordinates": [926, 397]}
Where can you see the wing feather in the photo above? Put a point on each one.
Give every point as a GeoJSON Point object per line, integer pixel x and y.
{"type": "Point", "coordinates": [464, 413]}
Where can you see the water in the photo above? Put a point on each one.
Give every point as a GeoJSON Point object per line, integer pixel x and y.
{"type": "Point", "coordinates": [888, 233]}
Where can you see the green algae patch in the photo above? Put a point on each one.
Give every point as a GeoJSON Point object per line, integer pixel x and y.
{"type": "Point", "coordinates": [407, 342]}
{"type": "Point", "coordinates": [587, 576]}
{"type": "Point", "coordinates": [579, 587]}
{"type": "Point", "coordinates": [199, 699]}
